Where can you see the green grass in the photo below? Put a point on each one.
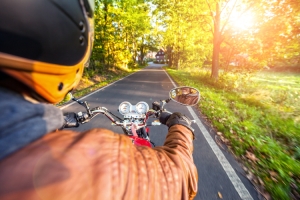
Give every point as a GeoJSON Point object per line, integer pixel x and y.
{"type": "Point", "coordinates": [258, 113]}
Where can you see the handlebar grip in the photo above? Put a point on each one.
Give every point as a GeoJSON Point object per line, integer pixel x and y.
{"type": "Point", "coordinates": [164, 116]}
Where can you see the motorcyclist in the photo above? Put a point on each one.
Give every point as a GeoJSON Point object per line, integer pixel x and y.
{"type": "Point", "coordinates": [44, 45]}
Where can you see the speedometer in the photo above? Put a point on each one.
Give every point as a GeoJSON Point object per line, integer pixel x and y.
{"type": "Point", "coordinates": [142, 107]}
{"type": "Point", "coordinates": [125, 108]}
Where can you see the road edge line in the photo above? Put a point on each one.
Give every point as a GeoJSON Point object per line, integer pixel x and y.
{"type": "Point", "coordinates": [233, 177]}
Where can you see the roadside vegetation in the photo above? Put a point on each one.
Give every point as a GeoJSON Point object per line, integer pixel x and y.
{"type": "Point", "coordinates": [258, 116]}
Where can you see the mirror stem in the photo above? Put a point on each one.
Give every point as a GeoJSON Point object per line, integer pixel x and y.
{"type": "Point", "coordinates": [168, 100]}
{"type": "Point", "coordinates": [80, 102]}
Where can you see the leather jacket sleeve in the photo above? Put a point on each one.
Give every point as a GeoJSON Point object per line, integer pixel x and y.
{"type": "Point", "coordinates": [179, 148]}
{"type": "Point", "coordinates": [99, 164]}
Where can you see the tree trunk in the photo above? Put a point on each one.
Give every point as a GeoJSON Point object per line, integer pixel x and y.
{"type": "Point", "coordinates": [104, 41]}
{"type": "Point", "coordinates": [142, 53]}
{"type": "Point", "coordinates": [170, 55]}
{"type": "Point", "coordinates": [215, 59]}
{"type": "Point", "coordinates": [217, 44]}
{"type": "Point", "coordinates": [176, 60]}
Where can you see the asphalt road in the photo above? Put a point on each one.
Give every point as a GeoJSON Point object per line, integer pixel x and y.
{"type": "Point", "coordinates": [220, 175]}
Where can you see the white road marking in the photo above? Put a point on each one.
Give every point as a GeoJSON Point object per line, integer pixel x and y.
{"type": "Point", "coordinates": [235, 180]}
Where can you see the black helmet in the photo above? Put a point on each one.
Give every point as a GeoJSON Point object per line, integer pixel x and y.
{"type": "Point", "coordinates": [45, 43]}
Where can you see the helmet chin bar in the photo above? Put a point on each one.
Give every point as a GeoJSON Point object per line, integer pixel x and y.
{"type": "Point", "coordinates": [13, 84]}
{"type": "Point", "coordinates": [49, 90]}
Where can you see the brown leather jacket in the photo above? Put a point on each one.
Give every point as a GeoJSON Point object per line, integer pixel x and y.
{"type": "Point", "coordinates": [99, 164]}
{"type": "Point", "coordinates": [189, 99]}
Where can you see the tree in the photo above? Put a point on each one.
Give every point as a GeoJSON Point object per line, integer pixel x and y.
{"type": "Point", "coordinates": [279, 32]}
{"type": "Point", "coordinates": [184, 33]}
{"type": "Point", "coordinates": [187, 25]}
{"type": "Point", "coordinates": [222, 14]}
{"type": "Point", "coordinates": [119, 28]}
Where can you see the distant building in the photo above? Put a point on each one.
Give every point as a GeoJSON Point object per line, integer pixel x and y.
{"type": "Point", "coordinates": [151, 54]}
{"type": "Point", "coordinates": [160, 56]}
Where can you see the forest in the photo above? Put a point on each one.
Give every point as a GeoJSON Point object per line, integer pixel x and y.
{"type": "Point", "coordinates": [221, 35]}
{"type": "Point", "coordinates": [244, 57]}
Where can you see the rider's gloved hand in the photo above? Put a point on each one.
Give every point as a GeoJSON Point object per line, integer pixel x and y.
{"type": "Point", "coordinates": [164, 116]}
{"type": "Point", "coordinates": [70, 120]}
{"type": "Point", "coordinates": [175, 118]}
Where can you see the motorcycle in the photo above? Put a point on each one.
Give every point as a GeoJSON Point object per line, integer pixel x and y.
{"type": "Point", "coordinates": [135, 117]}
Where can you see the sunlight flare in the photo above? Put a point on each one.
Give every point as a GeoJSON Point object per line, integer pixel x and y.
{"type": "Point", "coordinates": [243, 21]}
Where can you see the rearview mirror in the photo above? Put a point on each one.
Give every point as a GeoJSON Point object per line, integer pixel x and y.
{"type": "Point", "coordinates": [187, 96]}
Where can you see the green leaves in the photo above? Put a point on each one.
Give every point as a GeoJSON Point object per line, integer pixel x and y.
{"type": "Point", "coordinates": [229, 34]}
{"type": "Point", "coordinates": [121, 28]}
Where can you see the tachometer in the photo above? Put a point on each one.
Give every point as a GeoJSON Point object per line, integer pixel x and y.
{"type": "Point", "coordinates": [125, 108]}
{"type": "Point", "coordinates": [142, 107]}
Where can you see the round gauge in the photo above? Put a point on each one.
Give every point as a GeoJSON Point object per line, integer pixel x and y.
{"type": "Point", "coordinates": [141, 107]}
{"type": "Point", "coordinates": [124, 108]}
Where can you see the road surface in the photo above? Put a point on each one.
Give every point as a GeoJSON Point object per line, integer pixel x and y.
{"type": "Point", "coordinates": [220, 176]}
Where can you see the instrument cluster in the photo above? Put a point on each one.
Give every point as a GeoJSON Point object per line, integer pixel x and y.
{"type": "Point", "coordinates": [139, 110]}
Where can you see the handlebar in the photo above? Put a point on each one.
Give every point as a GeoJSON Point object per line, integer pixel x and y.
{"type": "Point", "coordinates": [141, 121]}
{"type": "Point", "coordinates": [109, 115]}
{"type": "Point", "coordinates": [84, 117]}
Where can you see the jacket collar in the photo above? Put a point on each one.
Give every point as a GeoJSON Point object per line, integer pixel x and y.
{"type": "Point", "coordinates": [22, 122]}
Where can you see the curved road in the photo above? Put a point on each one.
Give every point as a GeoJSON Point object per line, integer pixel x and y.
{"type": "Point", "coordinates": [220, 175]}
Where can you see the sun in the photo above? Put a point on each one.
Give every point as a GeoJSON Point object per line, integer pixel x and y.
{"type": "Point", "coordinates": [242, 21]}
